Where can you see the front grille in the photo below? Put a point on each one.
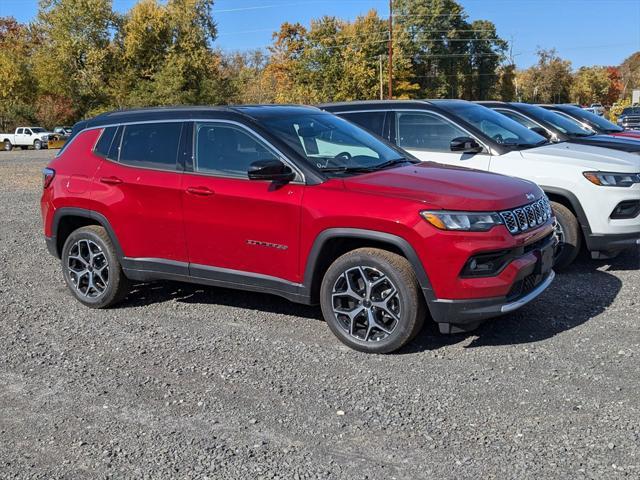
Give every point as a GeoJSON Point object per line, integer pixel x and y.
{"type": "Point", "coordinates": [525, 218]}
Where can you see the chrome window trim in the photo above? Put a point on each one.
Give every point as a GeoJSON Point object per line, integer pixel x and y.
{"type": "Point", "coordinates": [486, 149]}
{"type": "Point", "coordinates": [300, 178]}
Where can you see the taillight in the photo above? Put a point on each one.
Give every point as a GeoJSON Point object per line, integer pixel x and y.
{"type": "Point", "coordinates": [47, 176]}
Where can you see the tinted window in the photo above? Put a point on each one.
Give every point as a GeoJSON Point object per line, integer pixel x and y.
{"type": "Point", "coordinates": [562, 124]}
{"type": "Point", "coordinates": [522, 120]}
{"type": "Point", "coordinates": [372, 121]}
{"type": "Point", "coordinates": [330, 143]}
{"type": "Point", "coordinates": [104, 143]}
{"type": "Point", "coordinates": [426, 132]}
{"type": "Point", "coordinates": [494, 125]}
{"type": "Point", "coordinates": [153, 145]}
{"type": "Point", "coordinates": [227, 149]}
{"type": "Point", "coordinates": [19, 131]}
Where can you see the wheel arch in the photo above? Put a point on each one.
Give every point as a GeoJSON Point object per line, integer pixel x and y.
{"type": "Point", "coordinates": [569, 200]}
{"type": "Point", "coordinates": [68, 219]}
{"type": "Point", "coordinates": [333, 242]}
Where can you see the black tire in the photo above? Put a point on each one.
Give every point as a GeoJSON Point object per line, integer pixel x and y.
{"type": "Point", "coordinates": [37, 145]}
{"type": "Point", "coordinates": [7, 146]}
{"type": "Point", "coordinates": [104, 293]}
{"type": "Point", "coordinates": [408, 303]}
{"type": "Point", "coordinates": [568, 231]}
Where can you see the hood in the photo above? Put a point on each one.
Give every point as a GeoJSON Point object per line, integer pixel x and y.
{"type": "Point", "coordinates": [586, 157]}
{"type": "Point", "coordinates": [448, 187]}
{"type": "Point", "coordinates": [607, 141]}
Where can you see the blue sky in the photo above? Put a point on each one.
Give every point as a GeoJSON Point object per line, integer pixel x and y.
{"type": "Point", "coordinates": [587, 32]}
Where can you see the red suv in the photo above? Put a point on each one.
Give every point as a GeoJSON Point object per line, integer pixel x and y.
{"type": "Point", "coordinates": [299, 203]}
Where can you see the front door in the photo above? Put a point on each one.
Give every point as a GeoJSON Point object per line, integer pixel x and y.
{"type": "Point", "coordinates": [427, 136]}
{"type": "Point", "coordinates": [237, 226]}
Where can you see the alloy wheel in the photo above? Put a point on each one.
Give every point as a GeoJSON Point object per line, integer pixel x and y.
{"type": "Point", "coordinates": [558, 231]}
{"type": "Point", "coordinates": [88, 268]}
{"type": "Point", "coordinates": [366, 304]}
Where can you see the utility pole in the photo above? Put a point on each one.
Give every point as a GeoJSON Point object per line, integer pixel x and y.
{"type": "Point", "coordinates": [390, 49]}
{"type": "Point", "coordinates": [381, 79]}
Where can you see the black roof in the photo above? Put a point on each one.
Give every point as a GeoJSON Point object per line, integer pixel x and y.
{"type": "Point", "coordinates": [194, 112]}
{"type": "Point", "coordinates": [384, 104]}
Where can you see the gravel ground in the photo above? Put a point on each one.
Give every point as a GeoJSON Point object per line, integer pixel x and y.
{"type": "Point", "coordinates": [182, 381]}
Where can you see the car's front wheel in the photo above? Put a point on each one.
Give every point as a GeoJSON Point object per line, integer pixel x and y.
{"type": "Point", "coordinates": [567, 231]}
{"type": "Point", "coordinates": [372, 301]}
{"type": "Point", "coordinates": [91, 268]}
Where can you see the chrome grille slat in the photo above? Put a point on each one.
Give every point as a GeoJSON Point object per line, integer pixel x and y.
{"type": "Point", "coordinates": [527, 217]}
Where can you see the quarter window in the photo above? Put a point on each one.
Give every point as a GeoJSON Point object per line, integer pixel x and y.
{"type": "Point", "coordinates": [424, 131]}
{"type": "Point", "coordinates": [151, 145]}
{"type": "Point", "coordinates": [104, 143]}
{"type": "Point", "coordinates": [228, 150]}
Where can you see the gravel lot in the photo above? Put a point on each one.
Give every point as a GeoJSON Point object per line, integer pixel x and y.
{"type": "Point", "coordinates": [182, 381]}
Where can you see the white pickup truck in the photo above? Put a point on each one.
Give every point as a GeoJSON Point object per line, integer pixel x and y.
{"type": "Point", "coordinates": [25, 137]}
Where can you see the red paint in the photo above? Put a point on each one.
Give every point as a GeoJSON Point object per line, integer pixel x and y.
{"type": "Point", "coordinates": [257, 227]}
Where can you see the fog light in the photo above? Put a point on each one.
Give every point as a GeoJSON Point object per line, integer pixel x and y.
{"type": "Point", "coordinates": [486, 264]}
{"type": "Point", "coordinates": [626, 209]}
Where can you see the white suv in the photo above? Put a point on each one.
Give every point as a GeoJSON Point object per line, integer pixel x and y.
{"type": "Point", "coordinates": [595, 191]}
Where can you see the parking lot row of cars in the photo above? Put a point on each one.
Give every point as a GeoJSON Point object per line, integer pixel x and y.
{"type": "Point", "coordinates": [385, 213]}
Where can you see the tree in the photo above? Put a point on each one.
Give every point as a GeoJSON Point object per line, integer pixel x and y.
{"type": "Point", "coordinates": [590, 85]}
{"type": "Point", "coordinates": [630, 74]}
{"type": "Point", "coordinates": [549, 81]}
{"type": "Point", "coordinates": [73, 58]}
{"type": "Point", "coordinates": [506, 84]}
{"type": "Point", "coordinates": [54, 110]}
{"type": "Point", "coordinates": [17, 84]}
{"type": "Point", "coordinates": [615, 86]}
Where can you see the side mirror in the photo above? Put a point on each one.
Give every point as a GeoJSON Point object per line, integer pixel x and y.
{"type": "Point", "coordinates": [273, 170]}
{"type": "Point", "coordinates": [541, 131]}
{"type": "Point", "coordinates": [465, 145]}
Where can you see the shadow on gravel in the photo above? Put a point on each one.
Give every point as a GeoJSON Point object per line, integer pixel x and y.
{"type": "Point", "coordinates": [575, 297]}
{"type": "Point", "coordinates": [164, 291]}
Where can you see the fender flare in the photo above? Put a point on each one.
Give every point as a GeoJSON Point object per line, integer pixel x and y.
{"type": "Point", "coordinates": [63, 212]}
{"type": "Point", "coordinates": [575, 204]}
{"type": "Point", "coordinates": [403, 245]}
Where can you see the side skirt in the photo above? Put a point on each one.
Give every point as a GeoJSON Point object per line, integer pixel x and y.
{"type": "Point", "coordinates": [148, 269]}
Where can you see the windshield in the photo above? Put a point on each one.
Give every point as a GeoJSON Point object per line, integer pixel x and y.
{"type": "Point", "coordinates": [567, 126]}
{"type": "Point", "coordinates": [494, 125]}
{"type": "Point", "coordinates": [38, 130]}
{"type": "Point", "coordinates": [597, 121]}
{"type": "Point", "coordinates": [333, 145]}
{"type": "Point", "coordinates": [631, 111]}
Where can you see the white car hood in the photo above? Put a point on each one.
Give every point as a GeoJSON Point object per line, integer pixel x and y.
{"type": "Point", "coordinates": [585, 156]}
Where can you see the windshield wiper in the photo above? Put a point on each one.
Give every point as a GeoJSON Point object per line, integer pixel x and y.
{"type": "Point", "coordinates": [364, 169]}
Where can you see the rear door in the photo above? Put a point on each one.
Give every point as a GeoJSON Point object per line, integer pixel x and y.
{"type": "Point", "coordinates": [237, 226]}
{"type": "Point", "coordinates": [428, 135]}
{"type": "Point", "coordinates": [139, 184]}
{"type": "Point", "coordinates": [22, 137]}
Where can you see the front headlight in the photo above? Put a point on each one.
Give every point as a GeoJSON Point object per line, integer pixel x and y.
{"type": "Point", "coordinates": [464, 221]}
{"type": "Point", "coordinates": [607, 179]}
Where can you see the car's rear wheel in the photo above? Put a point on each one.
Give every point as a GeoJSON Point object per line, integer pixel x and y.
{"type": "Point", "coordinates": [567, 231]}
{"type": "Point", "coordinates": [37, 144]}
{"type": "Point", "coordinates": [371, 300]}
{"type": "Point", "coordinates": [7, 146]}
{"type": "Point", "coordinates": [91, 268]}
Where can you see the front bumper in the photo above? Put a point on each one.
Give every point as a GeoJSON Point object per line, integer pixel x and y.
{"type": "Point", "coordinates": [455, 316]}
{"type": "Point", "coordinates": [612, 243]}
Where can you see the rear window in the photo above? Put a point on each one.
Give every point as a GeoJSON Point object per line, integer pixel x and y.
{"type": "Point", "coordinates": [151, 145]}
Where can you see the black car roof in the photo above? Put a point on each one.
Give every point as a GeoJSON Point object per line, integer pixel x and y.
{"type": "Point", "coordinates": [385, 104]}
{"type": "Point", "coordinates": [195, 112]}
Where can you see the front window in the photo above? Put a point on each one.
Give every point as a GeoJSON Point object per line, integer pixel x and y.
{"type": "Point", "coordinates": [494, 125]}
{"type": "Point", "coordinates": [569, 127]}
{"type": "Point", "coordinates": [331, 144]}
{"type": "Point", "coordinates": [224, 149]}
{"type": "Point", "coordinates": [426, 131]}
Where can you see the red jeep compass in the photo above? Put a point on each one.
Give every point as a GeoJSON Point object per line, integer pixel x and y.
{"type": "Point", "coordinates": [299, 203]}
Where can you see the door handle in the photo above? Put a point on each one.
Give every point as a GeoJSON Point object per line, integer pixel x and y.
{"type": "Point", "coordinates": [111, 180]}
{"type": "Point", "coordinates": [200, 191]}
